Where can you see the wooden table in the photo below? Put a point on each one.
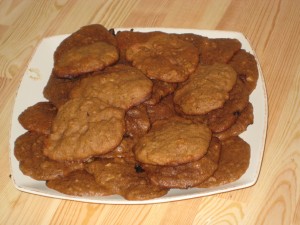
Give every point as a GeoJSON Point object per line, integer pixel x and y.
{"type": "Point", "coordinates": [273, 29]}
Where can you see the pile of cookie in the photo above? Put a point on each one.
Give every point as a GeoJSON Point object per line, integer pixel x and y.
{"type": "Point", "coordinates": [136, 114]}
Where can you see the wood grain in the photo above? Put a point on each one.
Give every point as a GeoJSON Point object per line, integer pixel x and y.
{"type": "Point", "coordinates": [272, 27]}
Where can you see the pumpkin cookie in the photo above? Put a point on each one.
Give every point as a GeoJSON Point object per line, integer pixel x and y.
{"type": "Point", "coordinates": [160, 90]}
{"type": "Point", "coordinates": [84, 127]}
{"type": "Point", "coordinates": [219, 50]}
{"type": "Point", "coordinates": [120, 177]}
{"type": "Point", "coordinates": [164, 57]}
{"type": "Point", "coordinates": [189, 174]}
{"type": "Point", "coordinates": [162, 110]}
{"type": "Point", "coordinates": [85, 59]}
{"type": "Point", "coordinates": [137, 121]}
{"type": "Point", "coordinates": [90, 48]}
{"type": "Point", "coordinates": [233, 163]}
{"type": "Point", "coordinates": [173, 142]}
{"type": "Point", "coordinates": [78, 183]}
{"type": "Point", "coordinates": [243, 121]}
{"type": "Point", "coordinates": [126, 39]}
{"type": "Point", "coordinates": [207, 89]}
{"type": "Point", "coordinates": [33, 163]}
{"type": "Point", "coordinates": [57, 90]}
{"type": "Point", "coordinates": [121, 86]}
{"type": "Point", "coordinates": [38, 117]}
{"type": "Point", "coordinates": [223, 118]}
{"type": "Point", "coordinates": [245, 65]}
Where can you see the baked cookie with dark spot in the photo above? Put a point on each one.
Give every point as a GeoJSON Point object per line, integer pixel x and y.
{"type": "Point", "coordinates": [120, 177]}
{"type": "Point", "coordinates": [206, 89]}
{"type": "Point", "coordinates": [121, 86]}
{"type": "Point", "coordinates": [222, 118]}
{"type": "Point", "coordinates": [38, 117]}
{"type": "Point", "coordinates": [164, 57]}
{"type": "Point", "coordinates": [233, 163]}
{"type": "Point", "coordinates": [189, 174]}
{"type": "Point", "coordinates": [173, 142]}
{"type": "Point", "coordinates": [245, 65]}
{"type": "Point", "coordinates": [243, 121]}
{"type": "Point", "coordinates": [83, 128]}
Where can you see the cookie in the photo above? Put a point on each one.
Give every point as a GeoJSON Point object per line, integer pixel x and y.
{"type": "Point", "coordinates": [223, 118]}
{"type": "Point", "coordinates": [164, 57]}
{"type": "Point", "coordinates": [160, 90]}
{"type": "Point", "coordinates": [233, 163]}
{"type": "Point", "coordinates": [126, 39]}
{"type": "Point", "coordinates": [78, 183]}
{"type": "Point", "coordinates": [24, 144]}
{"type": "Point", "coordinates": [90, 48]}
{"type": "Point", "coordinates": [123, 150]}
{"type": "Point", "coordinates": [218, 50]}
{"type": "Point", "coordinates": [245, 65]}
{"type": "Point", "coordinates": [121, 86]}
{"type": "Point", "coordinates": [33, 163]}
{"type": "Point", "coordinates": [85, 59]}
{"type": "Point", "coordinates": [86, 35]}
{"type": "Point", "coordinates": [38, 117]}
{"type": "Point", "coordinates": [137, 121]}
{"type": "Point", "coordinates": [120, 177]}
{"type": "Point", "coordinates": [207, 89]}
{"type": "Point", "coordinates": [173, 142]}
{"type": "Point", "coordinates": [162, 110]}
{"type": "Point", "coordinates": [57, 89]}
{"type": "Point", "coordinates": [189, 174]}
{"type": "Point", "coordinates": [83, 128]}
{"type": "Point", "coordinates": [243, 121]}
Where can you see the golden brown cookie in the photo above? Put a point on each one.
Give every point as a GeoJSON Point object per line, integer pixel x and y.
{"type": "Point", "coordinates": [120, 177]}
{"type": "Point", "coordinates": [243, 121]}
{"type": "Point", "coordinates": [125, 39]}
{"type": "Point", "coordinates": [84, 127]}
{"type": "Point", "coordinates": [219, 50]}
{"type": "Point", "coordinates": [78, 183]}
{"type": "Point", "coordinates": [85, 59]}
{"type": "Point", "coordinates": [207, 89]}
{"type": "Point", "coordinates": [160, 90]}
{"type": "Point", "coordinates": [90, 48]}
{"type": "Point", "coordinates": [123, 150]}
{"type": "Point", "coordinates": [123, 86]}
{"type": "Point", "coordinates": [164, 57]}
{"type": "Point", "coordinates": [245, 65]}
{"type": "Point", "coordinates": [173, 142]}
{"type": "Point", "coordinates": [33, 163]}
{"type": "Point", "coordinates": [233, 163]}
{"type": "Point", "coordinates": [25, 143]}
{"type": "Point", "coordinates": [86, 35]}
{"type": "Point", "coordinates": [38, 117]}
{"type": "Point", "coordinates": [137, 121]}
{"type": "Point", "coordinates": [189, 174]}
{"type": "Point", "coordinates": [57, 89]}
{"type": "Point", "coordinates": [222, 118]}
{"type": "Point", "coordinates": [162, 110]}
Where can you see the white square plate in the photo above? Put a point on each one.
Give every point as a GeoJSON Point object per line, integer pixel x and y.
{"type": "Point", "coordinates": [31, 92]}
